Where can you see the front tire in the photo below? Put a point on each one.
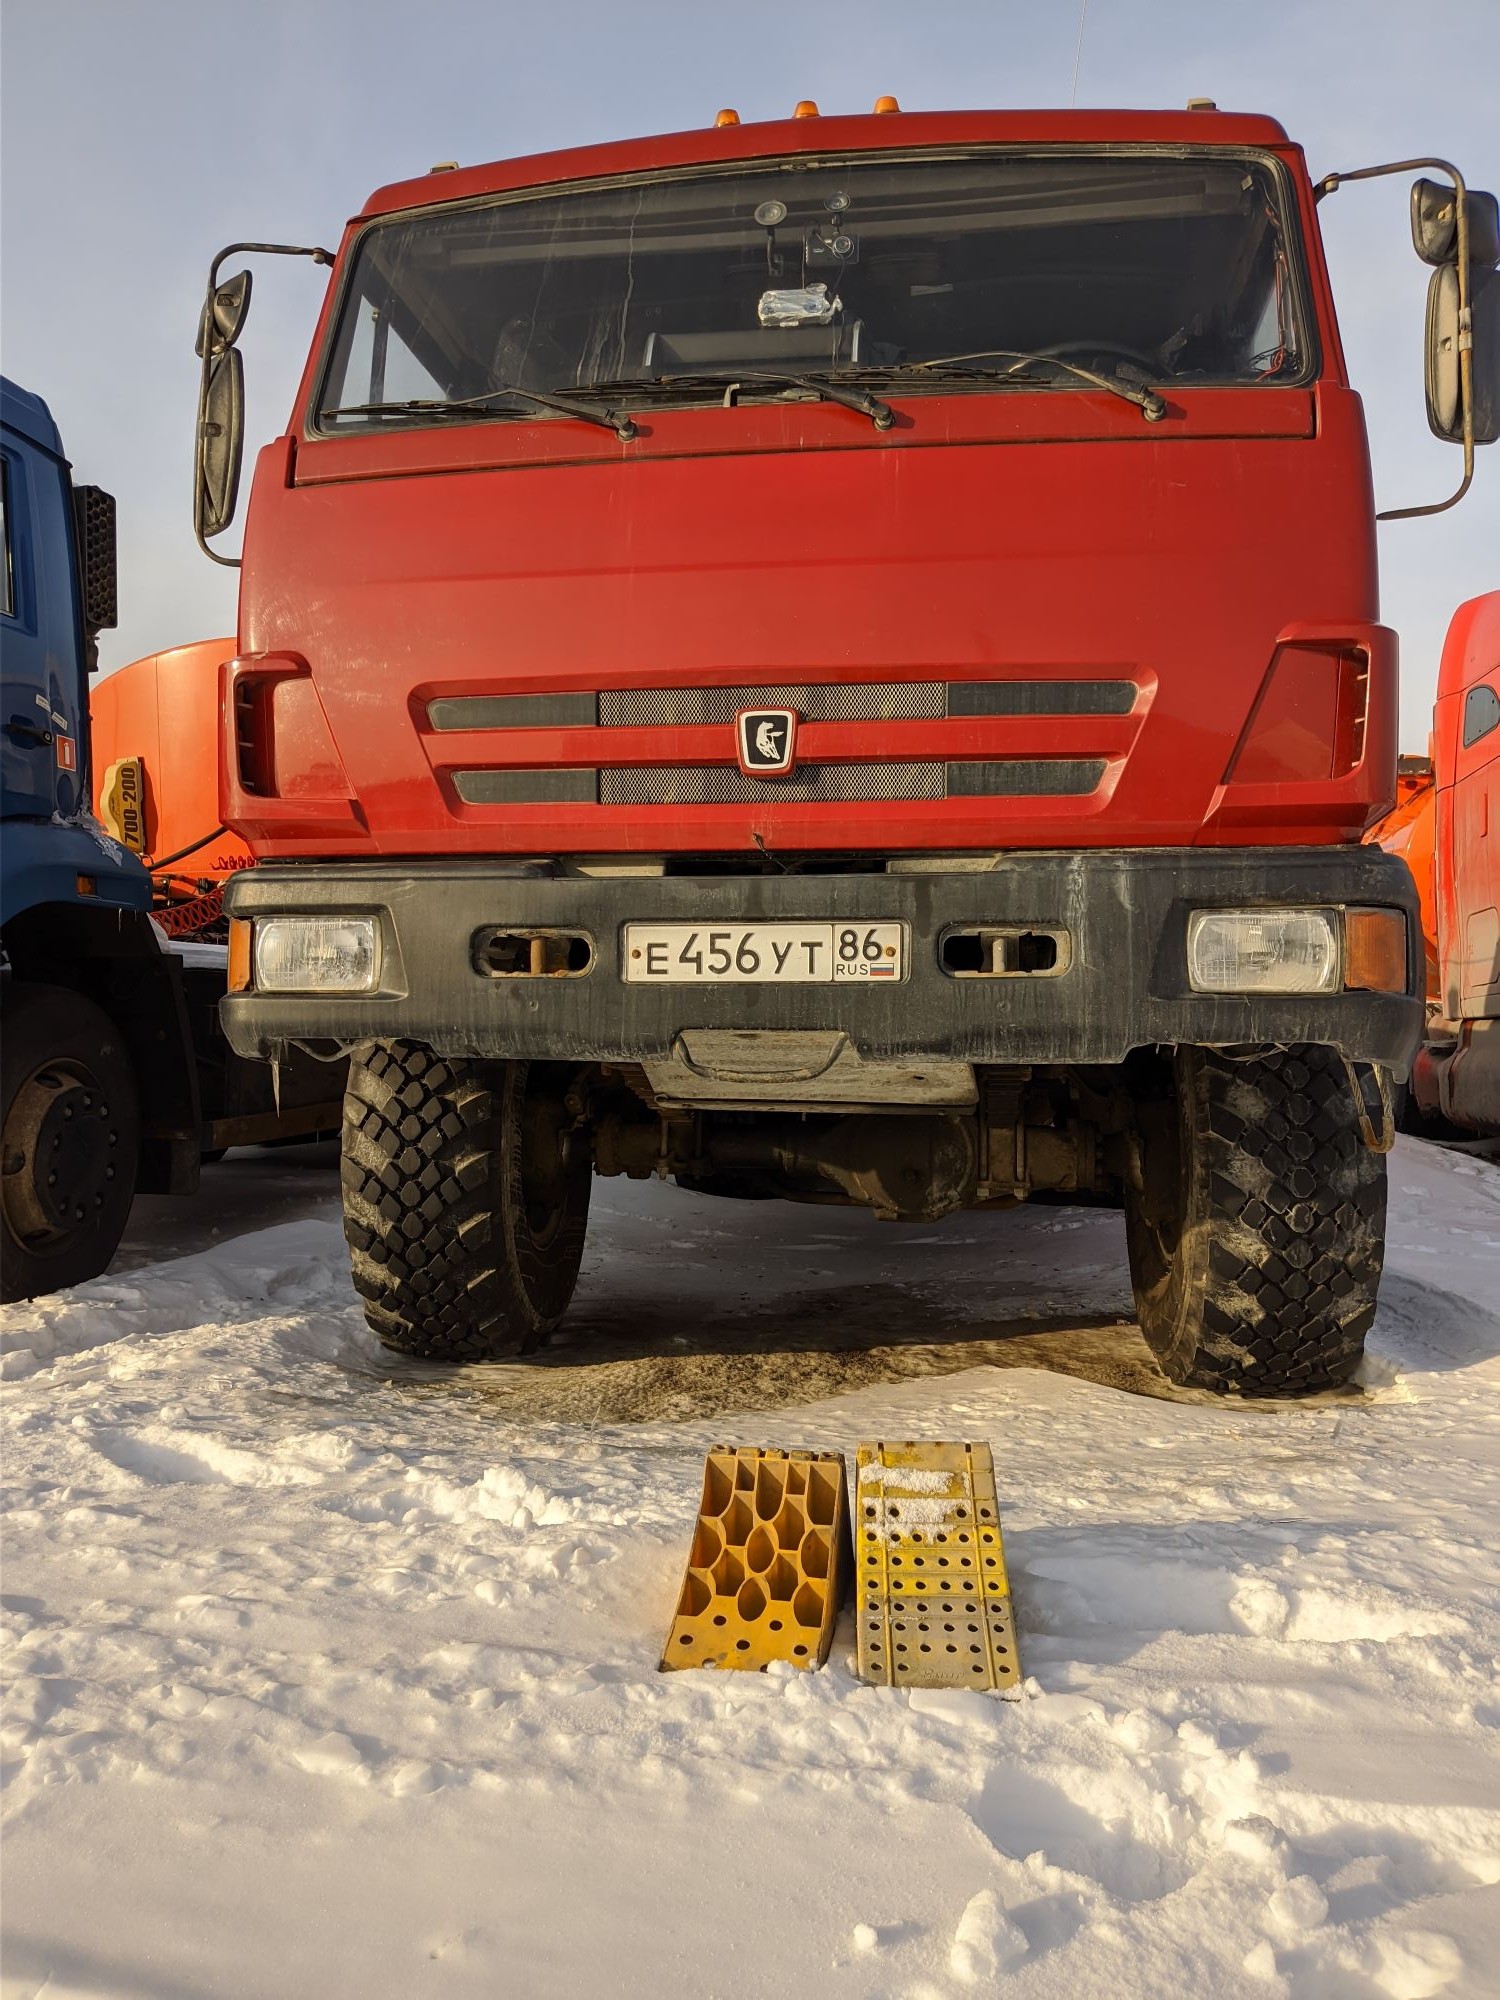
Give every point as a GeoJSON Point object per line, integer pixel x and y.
{"type": "Point", "coordinates": [71, 1140]}
{"type": "Point", "coordinates": [1256, 1229]}
{"type": "Point", "coordinates": [466, 1198]}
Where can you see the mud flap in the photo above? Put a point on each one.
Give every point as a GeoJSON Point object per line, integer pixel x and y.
{"type": "Point", "coordinates": [768, 1564]}
{"type": "Point", "coordinates": [933, 1600]}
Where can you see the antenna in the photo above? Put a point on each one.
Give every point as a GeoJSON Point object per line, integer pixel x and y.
{"type": "Point", "coordinates": [1078, 51]}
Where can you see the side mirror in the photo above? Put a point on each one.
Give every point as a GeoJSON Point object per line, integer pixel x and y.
{"type": "Point", "coordinates": [224, 313]}
{"type": "Point", "coordinates": [1445, 415]}
{"type": "Point", "coordinates": [221, 442]}
{"type": "Point", "coordinates": [1463, 310]}
{"type": "Point", "coordinates": [1434, 224]}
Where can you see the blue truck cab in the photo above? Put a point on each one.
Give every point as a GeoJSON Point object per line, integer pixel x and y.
{"type": "Point", "coordinates": [115, 1077]}
{"type": "Point", "coordinates": [57, 590]}
{"type": "Point", "coordinates": [100, 1093]}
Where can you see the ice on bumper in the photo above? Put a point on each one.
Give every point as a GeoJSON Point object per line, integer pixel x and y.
{"type": "Point", "coordinates": [316, 954]}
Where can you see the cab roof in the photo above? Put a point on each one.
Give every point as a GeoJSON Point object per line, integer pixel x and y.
{"type": "Point", "coordinates": [815, 137]}
{"type": "Point", "coordinates": [29, 417]}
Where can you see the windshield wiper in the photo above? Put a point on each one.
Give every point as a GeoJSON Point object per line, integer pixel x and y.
{"type": "Point", "coordinates": [466, 406]}
{"type": "Point", "coordinates": [880, 414]}
{"type": "Point", "coordinates": [1150, 405]}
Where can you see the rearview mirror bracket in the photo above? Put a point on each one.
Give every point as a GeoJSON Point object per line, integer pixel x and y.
{"type": "Point", "coordinates": [1430, 238]}
{"type": "Point", "coordinates": [219, 438]}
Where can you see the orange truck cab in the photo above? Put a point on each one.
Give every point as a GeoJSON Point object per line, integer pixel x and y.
{"type": "Point", "coordinates": [839, 659]}
{"type": "Point", "coordinates": [1449, 835]}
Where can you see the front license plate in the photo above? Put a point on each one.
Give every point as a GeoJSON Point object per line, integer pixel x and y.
{"type": "Point", "coordinates": [764, 954]}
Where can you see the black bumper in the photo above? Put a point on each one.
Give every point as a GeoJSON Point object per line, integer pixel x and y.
{"type": "Point", "coordinates": [1126, 911]}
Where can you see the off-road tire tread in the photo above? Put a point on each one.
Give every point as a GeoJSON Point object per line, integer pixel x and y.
{"type": "Point", "coordinates": [1285, 1235]}
{"type": "Point", "coordinates": [421, 1183]}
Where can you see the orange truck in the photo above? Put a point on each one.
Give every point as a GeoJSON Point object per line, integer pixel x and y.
{"type": "Point", "coordinates": [1446, 826]}
{"type": "Point", "coordinates": [156, 780]}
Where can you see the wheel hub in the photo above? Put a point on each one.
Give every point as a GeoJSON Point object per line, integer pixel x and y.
{"type": "Point", "coordinates": [545, 1151]}
{"type": "Point", "coordinates": [61, 1154]}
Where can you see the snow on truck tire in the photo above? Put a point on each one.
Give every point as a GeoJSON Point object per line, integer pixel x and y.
{"type": "Point", "coordinates": [1257, 1234]}
{"type": "Point", "coordinates": [465, 1200]}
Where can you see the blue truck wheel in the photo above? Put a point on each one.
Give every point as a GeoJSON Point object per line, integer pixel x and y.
{"type": "Point", "coordinates": [71, 1140]}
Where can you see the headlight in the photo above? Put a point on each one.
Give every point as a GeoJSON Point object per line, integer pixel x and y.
{"type": "Point", "coordinates": [316, 954]}
{"type": "Point", "coordinates": [1263, 951]}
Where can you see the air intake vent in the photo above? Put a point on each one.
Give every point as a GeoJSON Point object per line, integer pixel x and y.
{"type": "Point", "coordinates": [249, 736]}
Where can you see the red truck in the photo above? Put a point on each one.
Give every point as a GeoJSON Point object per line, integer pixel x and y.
{"type": "Point", "coordinates": [1446, 827]}
{"type": "Point", "coordinates": [839, 659]}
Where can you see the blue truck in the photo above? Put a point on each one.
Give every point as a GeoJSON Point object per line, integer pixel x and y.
{"type": "Point", "coordinates": [114, 1078]}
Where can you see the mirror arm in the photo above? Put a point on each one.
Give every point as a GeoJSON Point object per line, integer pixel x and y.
{"type": "Point", "coordinates": [319, 256]}
{"type": "Point", "coordinates": [1330, 184]}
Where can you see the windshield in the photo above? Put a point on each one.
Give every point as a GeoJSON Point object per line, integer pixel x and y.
{"type": "Point", "coordinates": [1144, 269]}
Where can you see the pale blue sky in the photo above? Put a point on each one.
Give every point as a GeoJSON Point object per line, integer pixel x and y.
{"type": "Point", "coordinates": [138, 138]}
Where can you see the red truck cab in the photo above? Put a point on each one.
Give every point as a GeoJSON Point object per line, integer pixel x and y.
{"type": "Point", "coordinates": [835, 659]}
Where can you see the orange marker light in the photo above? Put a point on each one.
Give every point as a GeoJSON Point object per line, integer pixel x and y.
{"type": "Point", "coordinates": [886, 104]}
{"type": "Point", "coordinates": [806, 109]}
{"type": "Point", "coordinates": [239, 954]}
{"type": "Point", "coordinates": [727, 117]}
{"type": "Point", "coordinates": [1375, 950]}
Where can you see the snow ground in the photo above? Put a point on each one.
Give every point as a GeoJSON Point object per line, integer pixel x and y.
{"type": "Point", "coordinates": [332, 1676]}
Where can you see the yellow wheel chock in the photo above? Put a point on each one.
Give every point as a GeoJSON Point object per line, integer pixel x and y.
{"type": "Point", "coordinates": [768, 1562]}
{"type": "Point", "coordinates": [933, 1601]}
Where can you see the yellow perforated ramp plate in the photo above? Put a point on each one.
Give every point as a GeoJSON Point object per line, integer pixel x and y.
{"type": "Point", "coordinates": [768, 1561]}
{"type": "Point", "coordinates": [934, 1601]}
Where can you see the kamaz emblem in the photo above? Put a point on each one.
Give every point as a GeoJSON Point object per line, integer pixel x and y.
{"type": "Point", "coordinates": [766, 739]}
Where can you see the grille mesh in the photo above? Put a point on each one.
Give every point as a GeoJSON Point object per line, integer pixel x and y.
{"type": "Point", "coordinates": [693, 708]}
{"type": "Point", "coordinates": [1025, 778]}
{"type": "Point", "coordinates": [872, 779]}
{"type": "Point", "coordinates": [725, 785]}
{"type": "Point", "coordinates": [719, 784]}
{"type": "Point", "coordinates": [526, 788]}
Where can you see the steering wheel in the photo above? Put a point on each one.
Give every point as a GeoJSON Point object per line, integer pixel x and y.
{"type": "Point", "coordinates": [1064, 350]}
